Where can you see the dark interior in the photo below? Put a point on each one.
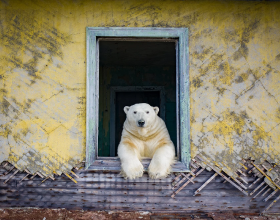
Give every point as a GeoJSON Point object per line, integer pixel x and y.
{"type": "Point", "coordinates": [134, 63]}
{"type": "Point", "coordinates": [137, 53]}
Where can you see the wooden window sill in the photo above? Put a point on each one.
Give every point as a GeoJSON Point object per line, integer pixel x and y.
{"type": "Point", "coordinates": [114, 164]}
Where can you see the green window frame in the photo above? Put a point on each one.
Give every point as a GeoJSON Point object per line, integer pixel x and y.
{"type": "Point", "coordinates": [180, 37]}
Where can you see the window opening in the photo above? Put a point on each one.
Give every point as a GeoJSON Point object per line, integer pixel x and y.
{"type": "Point", "coordinates": [130, 73]}
{"type": "Point", "coordinates": [121, 59]}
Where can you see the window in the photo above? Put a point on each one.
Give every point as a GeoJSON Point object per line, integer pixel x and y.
{"type": "Point", "coordinates": [122, 68]}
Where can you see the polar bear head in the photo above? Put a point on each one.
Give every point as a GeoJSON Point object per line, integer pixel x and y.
{"type": "Point", "coordinates": [141, 115]}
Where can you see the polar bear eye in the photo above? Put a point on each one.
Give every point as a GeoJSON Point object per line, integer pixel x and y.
{"type": "Point", "coordinates": [135, 112]}
{"type": "Point", "coordinates": [147, 112]}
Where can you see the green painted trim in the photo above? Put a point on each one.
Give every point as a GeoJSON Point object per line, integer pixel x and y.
{"type": "Point", "coordinates": [93, 83]}
{"type": "Point", "coordinates": [91, 122]}
{"type": "Point", "coordinates": [184, 100]}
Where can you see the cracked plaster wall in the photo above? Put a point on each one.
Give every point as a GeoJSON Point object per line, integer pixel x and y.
{"type": "Point", "coordinates": [234, 73]}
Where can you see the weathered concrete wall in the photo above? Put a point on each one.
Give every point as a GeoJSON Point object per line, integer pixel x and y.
{"type": "Point", "coordinates": [234, 74]}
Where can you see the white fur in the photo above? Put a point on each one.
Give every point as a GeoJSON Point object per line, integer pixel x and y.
{"type": "Point", "coordinates": [152, 140]}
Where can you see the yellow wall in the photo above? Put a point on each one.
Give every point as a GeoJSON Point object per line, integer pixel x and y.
{"type": "Point", "coordinates": [234, 74]}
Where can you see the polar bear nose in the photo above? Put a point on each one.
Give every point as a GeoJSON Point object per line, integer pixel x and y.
{"type": "Point", "coordinates": [141, 123]}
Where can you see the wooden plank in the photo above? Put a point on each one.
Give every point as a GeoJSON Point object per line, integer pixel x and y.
{"type": "Point", "coordinates": [115, 165]}
{"type": "Point", "coordinates": [157, 193]}
{"type": "Point", "coordinates": [164, 200]}
{"type": "Point", "coordinates": [263, 173]}
{"type": "Point", "coordinates": [186, 183]}
{"type": "Point", "coordinates": [101, 179]}
{"type": "Point", "coordinates": [257, 188]}
{"type": "Point", "coordinates": [266, 191]}
{"type": "Point", "coordinates": [71, 178]}
{"type": "Point", "coordinates": [111, 185]}
{"type": "Point", "coordinates": [75, 174]}
{"type": "Point", "coordinates": [271, 204]}
{"type": "Point", "coordinates": [260, 192]}
{"type": "Point", "coordinates": [258, 179]}
{"type": "Point", "coordinates": [11, 176]}
{"type": "Point", "coordinates": [240, 184]}
{"type": "Point", "coordinates": [176, 178]}
{"type": "Point", "coordinates": [136, 207]}
{"type": "Point", "coordinates": [24, 177]}
{"type": "Point", "coordinates": [271, 194]}
{"type": "Point", "coordinates": [8, 171]}
{"type": "Point", "coordinates": [5, 164]}
{"type": "Point", "coordinates": [43, 181]}
{"type": "Point", "coordinates": [185, 177]}
{"type": "Point", "coordinates": [205, 184]}
{"type": "Point", "coordinates": [102, 204]}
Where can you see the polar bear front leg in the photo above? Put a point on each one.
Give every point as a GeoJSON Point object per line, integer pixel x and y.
{"type": "Point", "coordinates": [130, 163]}
{"type": "Point", "coordinates": [162, 160]}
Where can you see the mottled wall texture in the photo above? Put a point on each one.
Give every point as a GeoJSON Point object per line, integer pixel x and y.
{"type": "Point", "coordinates": [234, 75]}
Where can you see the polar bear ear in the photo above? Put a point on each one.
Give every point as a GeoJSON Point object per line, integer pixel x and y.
{"type": "Point", "coordinates": [126, 109]}
{"type": "Point", "coordinates": [156, 109]}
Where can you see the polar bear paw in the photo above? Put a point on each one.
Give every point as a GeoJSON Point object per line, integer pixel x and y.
{"type": "Point", "coordinates": [158, 172]}
{"type": "Point", "coordinates": [132, 171]}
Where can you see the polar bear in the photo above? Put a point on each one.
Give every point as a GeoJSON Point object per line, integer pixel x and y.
{"type": "Point", "coordinates": [145, 135]}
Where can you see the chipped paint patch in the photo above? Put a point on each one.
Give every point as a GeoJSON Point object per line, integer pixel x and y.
{"type": "Point", "coordinates": [39, 128]}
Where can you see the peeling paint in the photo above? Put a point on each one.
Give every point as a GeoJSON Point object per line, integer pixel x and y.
{"type": "Point", "coordinates": [234, 75]}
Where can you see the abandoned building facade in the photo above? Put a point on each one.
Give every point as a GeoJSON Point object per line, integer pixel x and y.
{"type": "Point", "coordinates": [69, 67]}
